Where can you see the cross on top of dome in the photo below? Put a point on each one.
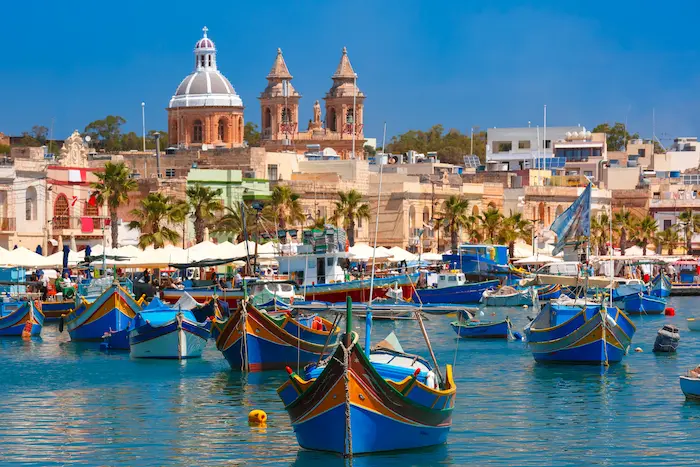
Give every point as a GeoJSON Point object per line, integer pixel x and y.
{"type": "Point", "coordinates": [204, 42]}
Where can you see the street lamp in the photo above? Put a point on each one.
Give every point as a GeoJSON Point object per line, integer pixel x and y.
{"type": "Point", "coordinates": [143, 124]}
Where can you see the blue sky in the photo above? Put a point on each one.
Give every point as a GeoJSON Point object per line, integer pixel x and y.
{"type": "Point", "coordinates": [460, 63]}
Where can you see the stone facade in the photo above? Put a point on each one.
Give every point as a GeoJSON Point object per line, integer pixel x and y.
{"type": "Point", "coordinates": [206, 127]}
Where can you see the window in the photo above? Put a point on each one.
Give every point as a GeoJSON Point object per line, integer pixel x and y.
{"type": "Point", "coordinates": [272, 172]}
{"type": "Point", "coordinates": [547, 143]}
{"type": "Point", "coordinates": [30, 206]}
{"type": "Point", "coordinates": [642, 152]}
{"type": "Point", "coordinates": [286, 115]}
{"type": "Point", "coordinates": [588, 173]}
{"type": "Point", "coordinates": [197, 131]}
{"type": "Point", "coordinates": [209, 59]}
{"type": "Point", "coordinates": [332, 124]}
{"type": "Point", "coordinates": [524, 144]}
{"type": "Point", "coordinates": [329, 262]}
{"type": "Point", "coordinates": [267, 118]}
{"type": "Point", "coordinates": [61, 212]}
{"type": "Point", "coordinates": [359, 222]}
{"type": "Point", "coordinates": [135, 174]}
{"type": "Point", "coordinates": [503, 146]}
{"type": "Point", "coordinates": [221, 130]}
{"type": "Point", "coordinates": [452, 279]}
{"type": "Point", "coordinates": [170, 173]}
{"type": "Point", "coordinates": [349, 116]}
{"type": "Point", "coordinates": [667, 223]}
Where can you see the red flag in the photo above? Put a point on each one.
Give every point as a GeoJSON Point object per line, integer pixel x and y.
{"type": "Point", "coordinates": [92, 201]}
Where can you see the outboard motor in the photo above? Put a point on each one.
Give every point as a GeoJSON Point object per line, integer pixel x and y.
{"type": "Point", "coordinates": [667, 339]}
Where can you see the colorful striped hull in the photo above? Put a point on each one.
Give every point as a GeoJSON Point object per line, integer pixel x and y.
{"type": "Point", "coordinates": [254, 341]}
{"type": "Point", "coordinates": [468, 293]}
{"type": "Point", "coordinates": [170, 340]}
{"type": "Point", "coordinates": [54, 309]}
{"type": "Point", "coordinates": [27, 320]}
{"type": "Point", "coordinates": [111, 311]}
{"type": "Point", "coordinates": [661, 286]}
{"type": "Point", "coordinates": [482, 330]}
{"type": "Point", "coordinates": [585, 338]}
{"type": "Point", "coordinates": [383, 415]}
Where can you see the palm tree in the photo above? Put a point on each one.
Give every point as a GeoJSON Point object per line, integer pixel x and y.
{"type": "Point", "coordinates": [319, 223]}
{"type": "Point", "coordinates": [491, 221]}
{"type": "Point", "coordinates": [204, 204]}
{"type": "Point", "coordinates": [350, 209]}
{"type": "Point", "coordinates": [691, 225]}
{"type": "Point", "coordinates": [113, 187]}
{"type": "Point", "coordinates": [284, 207]}
{"type": "Point", "coordinates": [154, 215]}
{"type": "Point", "coordinates": [454, 215]}
{"type": "Point", "coordinates": [623, 221]}
{"type": "Point", "coordinates": [645, 231]}
{"type": "Point", "coordinates": [513, 228]}
{"type": "Point", "coordinates": [473, 229]}
{"type": "Point", "coordinates": [668, 238]}
{"type": "Point", "coordinates": [600, 231]}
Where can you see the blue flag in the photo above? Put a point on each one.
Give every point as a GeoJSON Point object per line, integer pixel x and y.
{"type": "Point", "coordinates": [574, 222]}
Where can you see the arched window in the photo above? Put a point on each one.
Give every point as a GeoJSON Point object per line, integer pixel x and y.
{"type": "Point", "coordinates": [209, 59]}
{"type": "Point", "coordinates": [286, 115]}
{"type": "Point", "coordinates": [221, 130]}
{"type": "Point", "coordinates": [332, 124]}
{"type": "Point", "coordinates": [475, 210]}
{"type": "Point", "coordinates": [411, 219]}
{"type": "Point", "coordinates": [559, 210]}
{"type": "Point", "coordinates": [30, 206]}
{"type": "Point", "coordinates": [61, 212]}
{"type": "Point", "coordinates": [349, 116]}
{"type": "Point", "coordinates": [197, 131]}
{"type": "Point", "coordinates": [541, 212]}
{"type": "Point", "coordinates": [267, 118]}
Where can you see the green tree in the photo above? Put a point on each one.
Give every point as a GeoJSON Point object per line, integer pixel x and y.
{"type": "Point", "coordinates": [319, 223]}
{"type": "Point", "coordinates": [113, 188]}
{"type": "Point", "coordinates": [668, 238]}
{"type": "Point", "coordinates": [106, 133]}
{"type": "Point", "coordinates": [690, 223]}
{"type": "Point", "coordinates": [450, 146]}
{"type": "Point", "coordinates": [153, 218]}
{"type": "Point", "coordinates": [369, 151]}
{"type": "Point", "coordinates": [491, 222]}
{"type": "Point", "coordinates": [251, 135]}
{"type": "Point", "coordinates": [645, 232]}
{"type": "Point", "coordinates": [204, 204]}
{"type": "Point", "coordinates": [616, 135]}
{"type": "Point", "coordinates": [151, 139]}
{"type": "Point", "coordinates": [600, 231]}
{"type": "Point", "coordinates": [349, 210]}
{"type": "Point", "coordinates": [284, 207]}
{"type": "Point", "coordinates": [5, 148]}
{"type": "Point", "coordinates": [40, 133]}
{"type": "Point", "coordinates": [623, 222]}
{"type": "Point", "coordinates": [455, 212]}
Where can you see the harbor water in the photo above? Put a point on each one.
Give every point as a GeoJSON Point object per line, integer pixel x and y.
{"type": "Point", "coordinates": [67, 403]}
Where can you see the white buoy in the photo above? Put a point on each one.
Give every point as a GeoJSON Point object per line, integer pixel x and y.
{"type": "Point", "coordinates": [526, 307]}
{"type": "Point", "coordinates": [638, 349]}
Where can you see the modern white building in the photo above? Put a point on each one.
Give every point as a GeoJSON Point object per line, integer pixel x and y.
{"type": "Point", "coordinates": [519, 148]}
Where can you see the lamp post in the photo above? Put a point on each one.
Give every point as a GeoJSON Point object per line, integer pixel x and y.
{"type": "Point", "coordinates": [143, 124]}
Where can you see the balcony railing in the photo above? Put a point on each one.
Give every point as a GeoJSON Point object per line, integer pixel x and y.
{"type": "Point", "coordinates": [77, 223]}
{"type": "Point", "coordinates": [7, 224]}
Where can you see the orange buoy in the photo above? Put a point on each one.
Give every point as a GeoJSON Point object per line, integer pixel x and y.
{"type": "Point", "coordinates": [670, 311]}
{"type": "Point", "coordinates": [257, 418]}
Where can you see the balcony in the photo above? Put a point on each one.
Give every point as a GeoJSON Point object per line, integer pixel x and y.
{"type": "Point", "coordinates": [7, 224]}
{"type": "Point", "coordinates": [76, 224]}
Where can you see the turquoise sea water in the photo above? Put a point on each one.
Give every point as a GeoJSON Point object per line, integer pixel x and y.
{"type": "Point", "coordinates": [63, 403]}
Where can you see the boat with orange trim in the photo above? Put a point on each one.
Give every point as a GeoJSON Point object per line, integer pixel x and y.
{"type": "Point", "coordinates": [21, 318]}
{"type": "Point", "coordinates": [254, 340]}
{"type": "Point", "coordinates": [111, 312]}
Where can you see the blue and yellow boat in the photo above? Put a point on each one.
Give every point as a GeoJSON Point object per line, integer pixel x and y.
{"type": "Point", "coordinates": [21, 318]}
{"type": "Point", "coordinates": [357, 404]}
{"type": "Point", "coordinates": [643, 304]}
{"type": "Point", "coordinates": [660, 285]}
{"type": "Point", "coordinates": [111, 312]}
{"type": "Point", "coordinates": [254, 340]}
{"type": "Point", "coordinates": [580, 332]}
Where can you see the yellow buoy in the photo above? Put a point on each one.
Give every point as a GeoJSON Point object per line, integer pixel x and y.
{"type": "Point", "coordinates": [257, 417]}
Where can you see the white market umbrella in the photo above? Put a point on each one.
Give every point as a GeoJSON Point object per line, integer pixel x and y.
{"type": "Point", "coordinates": [26, 258]}
{"type": "Point", "coordinates": [398, 254]}
{"type": "Point", "coordinates": [431, 256]}
{"type": "Point", "coordinates": [364, 252]}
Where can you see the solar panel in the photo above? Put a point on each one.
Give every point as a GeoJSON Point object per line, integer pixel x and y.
{"type": "Point", "coordinates": [550, 163]}
{"type": "Point", "coordinates": [472, 162]}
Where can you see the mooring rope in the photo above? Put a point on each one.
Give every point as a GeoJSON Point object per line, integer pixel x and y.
{"type": "Point", "coordinates": [346, 378]}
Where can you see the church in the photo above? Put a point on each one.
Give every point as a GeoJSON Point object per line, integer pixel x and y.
{"type": "Point", "coordinates": [206, 113]}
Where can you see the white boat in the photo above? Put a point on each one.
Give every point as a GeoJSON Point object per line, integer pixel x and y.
{"type": "Point", "coordinates": [159, 331]}
{"type": "Point", "coordinates": [690, 384]}
{"type": "Point", "coordinates": [507, 296]}
{"type": "Point", "coordinates": [693, 324]}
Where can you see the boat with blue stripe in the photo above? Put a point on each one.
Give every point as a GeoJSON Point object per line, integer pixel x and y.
{"type": "Point", "coordinates": [579, 331]}
{"type": "Point", "coordinates": [111, 312]}
{"type": "Point", "coordinates": [660, 285]}
{"type": "Point", "coordinates": [21, 318]}
{"type": "Point", "coordinates": [474, 329]}
{"type": "Point", "coordinates": [452, 287]}
{"type": "Point", "coordinates": [643, 304]}
{"type": "Point", "coordinates": [159, 331]}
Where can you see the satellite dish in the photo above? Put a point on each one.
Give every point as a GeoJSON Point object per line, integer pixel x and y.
{"type": "Point", "coordinates": [88, 139]}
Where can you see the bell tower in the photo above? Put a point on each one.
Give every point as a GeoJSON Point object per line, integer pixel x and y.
{"type": "Point", "coordinates": [345, 105]}
{"type": "Point", "coordinates": [279, 104]}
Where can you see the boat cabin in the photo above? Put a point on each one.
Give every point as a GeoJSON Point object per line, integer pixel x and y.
{"type": "Point", "coordinates": [450, 279]}
{"type": "Point", "coordinates": [687, 271]}
{"type": "Point", "coordinates": [313, 269]}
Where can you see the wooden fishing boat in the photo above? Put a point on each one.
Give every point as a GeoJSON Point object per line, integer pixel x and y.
{"type": "Point", "coordinates": [54, 309]}
{"type": "Point", "coordinates": [111, 312]}
{"type": "Point", "coordinates": [643, 304]}
{"type": "Point", "coordinates": [690, 384]}
{"type": "Point", "coordinates": [467, 327]}
{"type": "Point", "coordinates": [660, 285]}
{"type": "Point", "coordinates": [21, 318]}
{"type": "Point", "coordinates": [251, 339]}
{"type": "Point", "coordinates": [357, 404]}
{"type": "Point", "coordinates": [159, 331]}
{"type": "Point", "coordinates": [579, 331]}
{"type": "Point", "coordinates": [506, 296]}
{"type": "Point", "coordinates": [452, 287]}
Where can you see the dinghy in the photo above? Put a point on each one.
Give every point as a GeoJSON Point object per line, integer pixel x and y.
{"type": "Point", "coordinates": [643, 304]}
{"type": "Point", "coordinates": [469, 328]}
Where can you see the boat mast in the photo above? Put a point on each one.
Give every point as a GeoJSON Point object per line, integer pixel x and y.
{"type": "Point", "coordinates": [368, 318]}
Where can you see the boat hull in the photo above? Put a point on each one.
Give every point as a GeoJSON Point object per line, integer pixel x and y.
{"type": "Point", "coordinates": [170, 340]}
{"type": "Point", "coordinates": [254, 341]}
{"type": "Point", "coordinates": [27, 320]}
{"type": "Point", "coordinates": [54, 309]}
{"type": "Point", "coordinates": [690, 387]}
{"type": "Point", "coordinates": [586, 338]}
{"type": "Point", "coordinates": [482, 330]}
{"type": "Point", "coordinates": [467, 293]}
{"type": "Point", "coordinates": [644, 305]}
{"type": "Point", "coordinates": [693, 324]}
{"type": "Point", "coordinates": [383, 415]}
{"type": "Point", "coordinates": [661, 286]}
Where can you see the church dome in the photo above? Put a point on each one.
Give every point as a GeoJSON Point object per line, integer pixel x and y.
{"type": "Point", "coordinates": [205, 86]}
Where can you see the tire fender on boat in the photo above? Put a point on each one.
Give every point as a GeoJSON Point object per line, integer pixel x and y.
{"type": "Point", "coordinates": [60, 324]}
